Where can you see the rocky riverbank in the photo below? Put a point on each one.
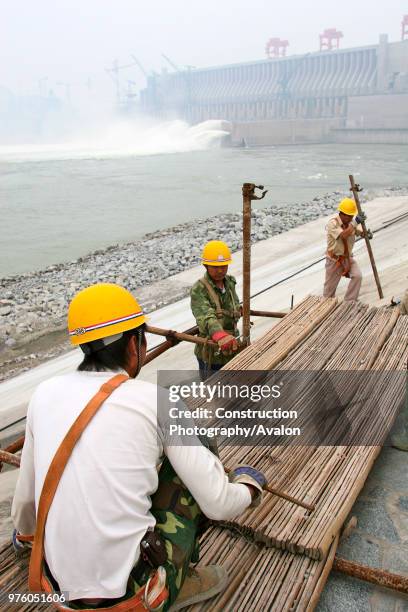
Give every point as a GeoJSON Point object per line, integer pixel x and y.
{"type": "Point", "coordinates": [33, 306]}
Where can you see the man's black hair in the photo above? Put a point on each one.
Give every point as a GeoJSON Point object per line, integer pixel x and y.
{"type": "Point", "coordinates": [112, 357]}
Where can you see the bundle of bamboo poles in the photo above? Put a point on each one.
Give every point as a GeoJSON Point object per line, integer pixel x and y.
{"type": "Point", "coordinates": [350, 337]}
{"type": "Point", "coordinates": [328, 476]}
{"type": "Point", "coordinates": [266, 353]}
{"type": "Point", "coordinates": [262, 578]}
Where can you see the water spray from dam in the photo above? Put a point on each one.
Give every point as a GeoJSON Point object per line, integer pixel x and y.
{"type": "Point", "coordinates": [123, 137]}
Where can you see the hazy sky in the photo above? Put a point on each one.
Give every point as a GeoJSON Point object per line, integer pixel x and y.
{"type": "Point", "coordinates": [71, 40]}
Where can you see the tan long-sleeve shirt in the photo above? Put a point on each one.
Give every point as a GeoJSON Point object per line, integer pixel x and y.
{"type": "Point", "coordinates": [335, 244]}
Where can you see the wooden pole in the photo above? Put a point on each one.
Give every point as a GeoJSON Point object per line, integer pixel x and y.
{"type": "Point", "coordinates": [355, 189]}
{"type": "Point", "coordinates": [247, 191]}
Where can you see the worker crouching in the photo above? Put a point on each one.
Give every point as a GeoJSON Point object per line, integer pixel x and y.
{"type": "Point", "coordinates": [215, 306]}
{"type": "Point", "coordinates": [111, 528]}
{"type": "Point", "coordinates": [341, 236]}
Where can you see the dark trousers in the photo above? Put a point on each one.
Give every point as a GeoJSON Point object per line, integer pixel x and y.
{"type": "Point", "coordinates": [206, 370]}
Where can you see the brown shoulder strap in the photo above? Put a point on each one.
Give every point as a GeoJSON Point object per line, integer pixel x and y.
{"type": "Point", "coordinates": [213, 296]}
{"type": "Point", "coordinates": [55, 472]}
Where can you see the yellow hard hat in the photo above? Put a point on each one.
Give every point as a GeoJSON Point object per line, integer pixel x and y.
{"type": "Point", "coordinates": [102, 310]}
{"type": "Point", "coordinates": [216, 253]}
{"type": "Point", "coordinates": [348, 207]}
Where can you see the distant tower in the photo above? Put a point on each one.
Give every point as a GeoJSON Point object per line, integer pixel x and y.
{"type": "Point", "coordinates": [330, 39]}
{"type": "Point", "coordinates": [275, 47]}
{"type": "Point", "coordinates": [404, 28]}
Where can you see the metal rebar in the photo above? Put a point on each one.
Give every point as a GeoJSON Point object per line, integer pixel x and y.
{"type": "Point", "coordinates": [168, 344]}
{"type": "Point", "coordinates": [382, 578]}
{"type": "Point", "coordinates": [283, 495]}
{"type": "Point", "coordinates": [16, 445]}
{"type": "Point", "coordinates": [355, 189]}
{"type": "Point", "coordinates": [170, 333]}
{"type": "Point", "coordinates": [247, 191]}
{"type": "Point", "coordinates": [9, 458]}
{"type": "Point", "coordinates": [266, 313]}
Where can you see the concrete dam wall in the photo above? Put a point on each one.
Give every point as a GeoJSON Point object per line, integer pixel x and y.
{"type": "Point", "coordinates": [307, 98]}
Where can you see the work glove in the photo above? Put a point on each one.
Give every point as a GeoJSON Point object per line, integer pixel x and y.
{"type": "Point", "coordinates": [395, 301]}
{"type": "Point", "coordinates": [20, 548]}
{"type": "Point", "coordinates": [245, 474]}
{"type": "Point", "coordinates": [225, 341]}
{"type": "Point", "coordinates": [360, 218]}
{"type": "Point", "coordinates": [369, 234]}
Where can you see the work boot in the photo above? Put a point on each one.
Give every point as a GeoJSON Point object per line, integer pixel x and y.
{"type": "Point", "coordinates": [201, 584]}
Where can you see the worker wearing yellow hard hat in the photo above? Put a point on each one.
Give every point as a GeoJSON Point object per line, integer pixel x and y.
{"type": "Point", "coordinates": [115, 530]}
{"type": "Point", "coordinates": [216, 308]}
{"type": "Point", "coordinates": [341, 235]}
{"type": "Point", "coordinates": [106, 315]}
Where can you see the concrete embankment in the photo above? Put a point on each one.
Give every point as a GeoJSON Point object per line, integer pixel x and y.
{"type": "Point", "coordinates": [33, 306]}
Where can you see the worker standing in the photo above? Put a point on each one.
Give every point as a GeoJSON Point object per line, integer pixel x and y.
{"type": "Point", "coordinates": [341, 236]}
{"type": "Point", "coordinates": [118, 531]}
{"type": "Point", "coordinates": [216, 308]}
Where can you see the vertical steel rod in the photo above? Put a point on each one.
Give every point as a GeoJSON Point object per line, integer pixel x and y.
{"type": "Point", "coordinates": [247, 191]}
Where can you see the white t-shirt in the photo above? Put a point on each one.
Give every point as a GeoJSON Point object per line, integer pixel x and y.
{"type": "Point", "coordinates": [101, 508]}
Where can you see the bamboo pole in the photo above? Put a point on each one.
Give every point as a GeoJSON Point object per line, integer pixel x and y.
{"type": "Point", "coordinates": [321, 581]}
{"type": "Point", "coordinates": [356, 189]}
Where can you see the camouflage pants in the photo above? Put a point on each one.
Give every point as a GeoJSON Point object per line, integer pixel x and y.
{"type": "Point", "coordinates": [179, 521]}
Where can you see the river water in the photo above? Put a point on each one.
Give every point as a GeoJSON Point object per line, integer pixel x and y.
{"type": "Point", "coordinates": [55, 208]}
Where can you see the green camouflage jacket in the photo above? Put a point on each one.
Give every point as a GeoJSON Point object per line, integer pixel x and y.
{"type": "Point", "coordinates": [205, 311]}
